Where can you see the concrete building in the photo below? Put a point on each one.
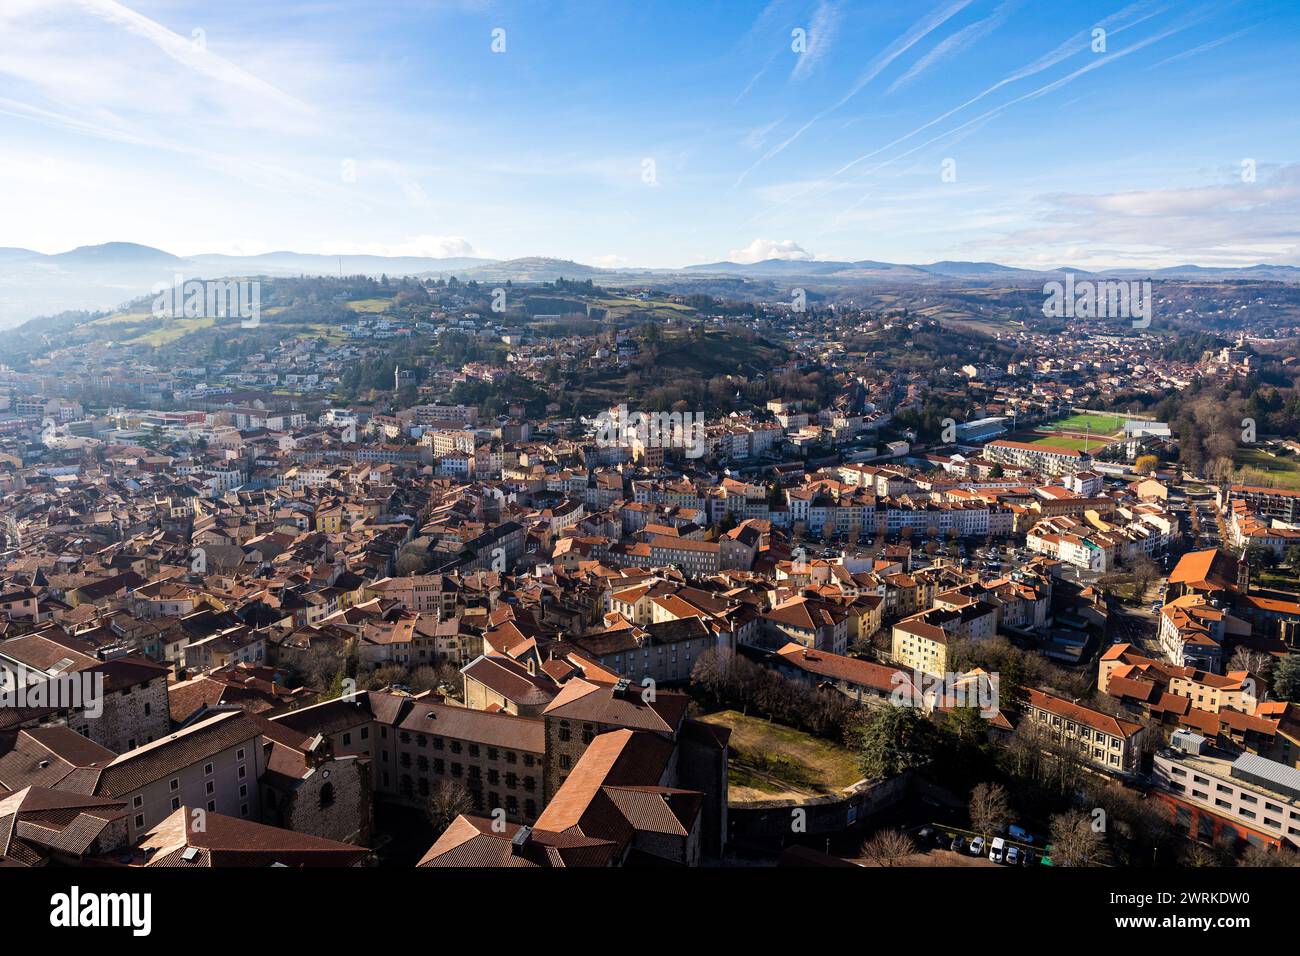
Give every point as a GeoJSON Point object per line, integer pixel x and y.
{"type": "Point", "coordinates": [1251, 797]}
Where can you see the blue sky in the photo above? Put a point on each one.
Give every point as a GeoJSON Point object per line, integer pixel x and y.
{"type": "Point", "coordinates": [659, 132]}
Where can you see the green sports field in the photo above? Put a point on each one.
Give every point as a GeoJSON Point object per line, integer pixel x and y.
{"type": "Point", "coordinates": [1087, 422]}
{"type": "Point", "coordinates": [1069, 441]}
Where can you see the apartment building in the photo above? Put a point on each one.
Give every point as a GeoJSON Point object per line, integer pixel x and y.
{"type": "Point", "coordinates": [808, 621]}
{"type": "Point", "coordinates": [661, 651]}
{"type": "Point", "coordinates": [422, 593]}
{"type": "Point", "coordinates": [213, 765]}
{"type": "Point", "coordinates": [1045, 459]}
{"type": "Point", "coordinates": [695, 559]}
{"type": "Point", "coordinates": [1245, 529]}
{"type": "Point", "coordinates": [1125, 674]}
{"type": "Point", "coordinates": [921, 642]}
{"type": "Point", "coordinates": [965, 519]}
{"type": "Point", "coordinates": [1193, 630]}
{"type": "Point", "coordinates": [1281, 504]}
{"type": "Point", "coordinates": [1252, 798]}
{"type": "Point", "coordinates": [1110, 744]}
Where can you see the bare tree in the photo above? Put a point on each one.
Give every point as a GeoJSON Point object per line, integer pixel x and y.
{"type": "Point", "coordinates": [1076, 841]}
{"type": "Point", "coordinates": [450, 677]}
{"type": "Point", "coordinates": [989, 809]}
{"type": "Point", "coordinates": [447, 800]}
{"type": "Point", "coordinates": [1145, 571]}
{"type": "Point", "coordinates": [1260, 855]}
{"type": "Point", "coordinates": [423, 678]}
{"type": "Point", "coordinates": [414, 557]}
{"type": "Point", "coordinates": [384, 676]}
{"type": "Point", "coordinates": [1248, 659]}
{"type": "Point", "coordinates": [320, 664]}
{"type": "Point", "coordinates": [888, 848]}
{"type": "Point", "coordinates": [1198, 855]}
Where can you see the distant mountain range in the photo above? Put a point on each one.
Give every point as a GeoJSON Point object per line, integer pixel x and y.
{"type": "Point", "coordinates": [983, 272]}
{"type": "Point", "coordinates": [105, 276]}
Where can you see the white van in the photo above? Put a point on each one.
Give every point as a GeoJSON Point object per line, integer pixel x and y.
{"type": "Point", "coordinates": [996, 849]}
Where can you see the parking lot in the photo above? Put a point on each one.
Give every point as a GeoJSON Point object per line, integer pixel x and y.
{"type": "Point", "coordinates": [942, 843]}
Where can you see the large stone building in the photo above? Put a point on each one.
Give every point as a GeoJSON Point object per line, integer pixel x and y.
{"type": "Point", "coordinates": [414, 745]}
{"type": "Point", "coordinates": [124, 700]}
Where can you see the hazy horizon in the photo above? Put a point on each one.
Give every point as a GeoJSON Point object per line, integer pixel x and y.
{"type": "Point", "coordinates": [657, 136]}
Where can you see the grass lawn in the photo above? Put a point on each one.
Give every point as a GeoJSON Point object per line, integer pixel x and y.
{"type": "Point", "coordinates": [1098, 424]}
{"type": "Point", "coordinates": [123, 318]}
{"type": "Point", "coordinates": [173, 329]}
{"type": "Point", "coordinates": [771, 760]}
{"type": "Point", "coordinates": [1281, 578]}
{"type": "Point", "coordinates": [369, 305]}
{"type": "Point", "coordinates": [1256, 466]}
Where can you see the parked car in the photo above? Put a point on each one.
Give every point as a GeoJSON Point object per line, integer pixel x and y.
{"type": "Point", "coordinates": [996, 849]}
{"type": "Point", "coordinates": [1028, 858]}
{"type": "Point", "coordinates": [1013, 856]}
{"type": "Point", "coordinates": [925, 835]}
{"type": "Point", "coordinates": [977, 846]}
{"type": "Point", "coordinates": [958, 843]}
{"type": "Point", "coordinates": [1020, 834]}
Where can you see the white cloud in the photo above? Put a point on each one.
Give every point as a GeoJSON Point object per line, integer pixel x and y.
{"type": "Point", "coordinates": [757, 136]}
{"type": "Point", "coordinates": [1227, 223]}
{"type": "Point", "coordinates": [760, 250]}
{"type": "Point", "coordinates": [956, 43]}
{"type": "Point", "coordinates": [190, 51]}
{"type": "Point", "coordinates": [901, 45]}
{"type": "Point", "coordinates": [821, 36]}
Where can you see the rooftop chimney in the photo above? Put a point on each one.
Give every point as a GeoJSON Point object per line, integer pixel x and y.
{"type": "Point", "coordinates": [520, 840]}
